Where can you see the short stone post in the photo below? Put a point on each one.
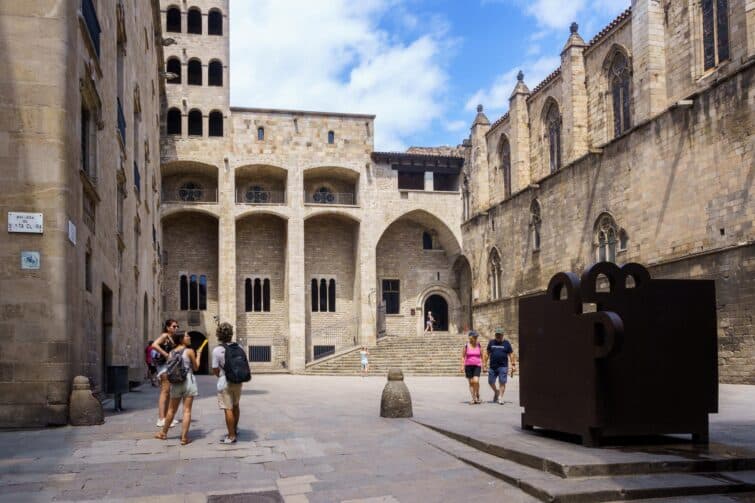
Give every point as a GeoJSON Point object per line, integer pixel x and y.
{"type": "Point", "coordinates": [84, 408]}
{"type": "Point", "coordinates": [396, 400]}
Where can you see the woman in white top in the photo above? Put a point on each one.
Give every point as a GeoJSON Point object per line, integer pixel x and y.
{"type": "Point", "coordinates": [363, 354]}
{"type": "Point", "coordinates": [185, 391]}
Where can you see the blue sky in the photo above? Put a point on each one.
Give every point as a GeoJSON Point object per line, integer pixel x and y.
{"type": "Point", "coordinates": [420, 65]}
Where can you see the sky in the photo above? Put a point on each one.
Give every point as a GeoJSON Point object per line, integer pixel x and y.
{"type": "Point", "coordinates": [421, 66]}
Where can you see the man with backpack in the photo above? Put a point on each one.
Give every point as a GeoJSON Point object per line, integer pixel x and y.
{"type": "Point", "coordinates": [230, 365]}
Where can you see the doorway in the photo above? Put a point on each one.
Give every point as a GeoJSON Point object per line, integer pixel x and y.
{"type": "Point", "coordinates": [197, 338]}
{"type": "Point", "coordinates": [439, 307]}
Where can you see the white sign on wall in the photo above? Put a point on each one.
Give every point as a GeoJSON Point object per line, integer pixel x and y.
{"type": "Point", "coordinates": [29, 223]}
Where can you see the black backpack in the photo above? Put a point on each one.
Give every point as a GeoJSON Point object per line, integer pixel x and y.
{"type": "Point", "coordinates": [176, 370]}
{"type": "Point", "coordinates": [236, 366]}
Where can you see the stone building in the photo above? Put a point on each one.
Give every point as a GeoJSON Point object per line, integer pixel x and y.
{"type": "Point", "coordinates": [81, 95]}
{"type": "Point", "coordinates": [287, 224]}
{"type": "Point", "coordinates": [637, 148]}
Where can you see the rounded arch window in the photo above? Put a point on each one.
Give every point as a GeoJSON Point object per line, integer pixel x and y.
{"type": "Point", "coordinates": [257, 194]}
{"type": "Point", "coordinates": [215, 22]}
{"type": "Point", "coordinates": [174, 66]}
{"type": "Point", "coordinates": [324, 195]}
{"type": "Point", "coordinates": [215, 73]}
{"type": "Point", "coordinates": [173, 20]}
{"type": "Point", "coordinates": [190, 192]}
{"type": "Point", "coordinates": [331, 137]}
{"type": "Point", "coordinates": [194, 21]}
{"type": "Point", "coordinates": [174, 121]}
{"type": "Point", "coordinates": [194, 73]}
{"type": "Point", "coordinates": [216, 123]}
{"type": "Point", "coordinates": [195, 123]}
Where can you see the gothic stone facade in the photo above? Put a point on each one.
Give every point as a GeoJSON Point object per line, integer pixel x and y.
{"type": "Point", "coordinates": [286, 223]}
{"type": "Point", "coordinates": [638, 148]}
{"type": "Point", "coordinates": [79, 140]}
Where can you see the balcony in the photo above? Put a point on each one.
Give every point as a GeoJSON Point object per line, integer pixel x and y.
{"type": "Point", "coordinates": [121, 122]}
{"type": "Point", "coordinates": [189, 194]}
{"type": "Point", "coordinates": [327, 197]}
{"type": "Point", "coordinates": [93, 25]}
{"type": "Point", "coordinates": [256, 196]}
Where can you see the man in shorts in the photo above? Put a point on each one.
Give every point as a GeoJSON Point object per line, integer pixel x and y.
{"type": "Point", "coordinates": [500, 357]}
{"type": "Point", "coordinates": [229, 393]}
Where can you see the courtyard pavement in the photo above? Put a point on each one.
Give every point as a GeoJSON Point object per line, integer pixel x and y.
{"type": "Point", "coordinates": [310, 438]}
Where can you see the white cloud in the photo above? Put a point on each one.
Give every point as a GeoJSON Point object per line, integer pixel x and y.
{"type": "Point", "coordinates": [334, 56]}
{"type": "Point", "coordinates": [456, 126]}
{"type": "Point", "coordinates": [557, 15]}
{"type": "Point", "coordinates": [496, 96]}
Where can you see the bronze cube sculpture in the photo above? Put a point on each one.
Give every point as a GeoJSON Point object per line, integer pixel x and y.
{"type": "Point", "coordinates": [644, 363]}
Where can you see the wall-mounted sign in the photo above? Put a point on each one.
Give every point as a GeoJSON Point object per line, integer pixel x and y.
{"type": "Point", "coordinates": [30, 260]}
{"type": "Point", "coordinates": [29, 223]}
{"type": "Point", "coordinates": [71, 232]}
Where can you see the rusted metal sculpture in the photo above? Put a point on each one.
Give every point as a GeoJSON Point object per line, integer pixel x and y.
{"type": "Point", "coordinates": [644, 363]}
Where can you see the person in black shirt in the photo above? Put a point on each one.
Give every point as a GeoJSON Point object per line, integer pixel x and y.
{"type": "Point", "coordinates": [499, 358]}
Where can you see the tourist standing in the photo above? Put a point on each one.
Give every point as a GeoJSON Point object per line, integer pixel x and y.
{"type": "Point", "coordinates": [182, 363]}
{"type": "Point", "coordinates": [163, 346]}
{"type": "Point", "coordinates": [471, 365]}
{"type": "Point", "coordinates": [364, 353]}
{"type": "Point", "coordinates": [499, 357]}
{"type": "Point", "coordinates": [231, 367]}
{"type": "Point", "coordinates": [430, 322]}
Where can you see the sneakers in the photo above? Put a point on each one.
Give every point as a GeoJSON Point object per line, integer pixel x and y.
{"type": "Point", "coordinates": [161, 422]}
{"type": "Point", "coordinates": [500, 400]}
{"type": "Point", "coordinates": [228, 440]}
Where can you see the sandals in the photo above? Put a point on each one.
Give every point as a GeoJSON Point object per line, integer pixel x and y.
{"type": "Point", "coordinates": [161, 436]}
{"type": "Point", "coordinates": [185, 441]}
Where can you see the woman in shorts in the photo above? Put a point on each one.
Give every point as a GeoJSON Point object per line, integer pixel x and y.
{"type": "Point", "coordinates": [471, 365]}
{"type": "Point", "coordinates": [363, 354]}
{"type": "Point", "coordinates": [182, 392]}
{"type": "Point", "coordinates": [162, 347]}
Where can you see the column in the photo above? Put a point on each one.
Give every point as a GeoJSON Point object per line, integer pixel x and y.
{"type": "Point", "coordinates": [649, 60]}
{"type": "Point", "coordinates": [574, 98]}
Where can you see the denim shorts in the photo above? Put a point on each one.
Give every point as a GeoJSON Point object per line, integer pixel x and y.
{"type": "Point", "coordinates": [184, 389]}
{"type": "Point", "coordinates": [502, 373]}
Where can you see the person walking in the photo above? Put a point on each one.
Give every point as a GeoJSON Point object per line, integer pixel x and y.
{"type": "Point", "coordinates": [471, 365]}
{"type": "Point", "coordinates": [364, 353]}
{"type": "Point", "coordinates": [499, 357]}
{"type": "Point", "coordinates": [162, 346]}
{"type": "Point", "coordinates": [231, 367]}
{"type": "Point", "coordinates": [430, 322]}
{"type": "Point", "coordinates": [182, 361]}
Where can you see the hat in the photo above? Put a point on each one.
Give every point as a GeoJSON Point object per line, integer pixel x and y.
{"type": "Point", "coordinates": [498, 330]}
{"type": "Point", "coordinates": [473, 333]}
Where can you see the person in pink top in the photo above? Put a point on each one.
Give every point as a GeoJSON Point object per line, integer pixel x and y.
{"type": "Point", "coordinates": [471, 364]}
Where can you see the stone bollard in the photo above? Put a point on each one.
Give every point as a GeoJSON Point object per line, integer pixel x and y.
{"type": "Point", "coordinates": [396, 400]}
{"type": "Point", "coordinates": [84, 408]}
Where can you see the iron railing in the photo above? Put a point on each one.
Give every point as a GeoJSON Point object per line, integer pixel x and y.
{"type": "Point", "coordinates": [93, 25]}
{"type": "Point", "coordinates": [121, 122]}
{"type": "Point", "coordinates": [190, 196]}
{"type": "Point", "coordinates": [347, 198]}
{"type": "Point", "coordinates": [260, 197]}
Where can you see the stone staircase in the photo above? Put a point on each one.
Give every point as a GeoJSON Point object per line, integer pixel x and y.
{"type": "Point", "coordinates": [438, 354]}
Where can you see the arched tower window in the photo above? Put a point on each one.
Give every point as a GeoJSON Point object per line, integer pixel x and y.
{"type": "Point", "coordinates": [494, 274]}
{"type": "Point", "coordinates": [260, 133]}
{"type": "Point", "coordinates": [257, 295]}
{"type": "Point", "coordinates": [194, 21]}
{"type": "Point", "coordinates": [331, 137]}
{"type": "Point", "coordinates": [606, 238]}
{"type": "Point", "coordinates": [553, 131]}
{"type": "Point", "coordinates": [173, 20]}
{"type": "Point", "coordinates": [323, 295]}
{"type": "Point", "coordinates": [202, 292]}
{"type": "Point", "coordinates": [215, 22]}
{"type": "Point", "coordinates": [715, 14]}
{"type": "Point", "coordinates": [216, 123]}
{"type": "Point", "coordinates": [247, 295]}
{"type": "Point", "coordinates": [174, 66]}
{"type": "Point", "coordinates": [315, 296]}
{"type": "Point", "coordinates": [332, 296]}
{"type": "Point", "coordinates": [505, 152]}
{"type": "Point", "coordinates": [194, 73]}
{"type": "Point", "coordinates": [266, 295]}
{"type": "Point", "coordinates": [193, 293]}
{"type": "Point", "coordinates": [183, 288]}
{"type": "Point", "coordinates": [195, 123]}
{"type": "Point", "coordinates": [174, 121]}
{"type": "Point", "coordinates": [535, 224]}
{"type": "Point", "coordinates": [427, 241]}
{"type": "Point", "coordinates": [620, 94]}
{"type": "Point", "coordinates": [215, 73]}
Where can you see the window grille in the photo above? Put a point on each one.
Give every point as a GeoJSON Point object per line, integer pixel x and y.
{"type": "Point", "coordinates": [321, 351]}
{"type": "Point", "coordinates": [260, 354]}
{"type": "Point", "coordinates": [391, 296]}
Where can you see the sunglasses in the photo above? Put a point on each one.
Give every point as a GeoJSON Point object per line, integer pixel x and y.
{"type": "Point", "coordinates": [174, 326]}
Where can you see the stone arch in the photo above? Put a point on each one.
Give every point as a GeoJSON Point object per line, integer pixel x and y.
{"type": "Point", "coordinates": [452, 301]}
{"type": "Point", "coordinates": [447, 239]}
{"type": "Point", "coordinates": [343, 183]}
{"type": "Point", "coordinates": [168, 212]}
{"type": "Point", "coordinates": [334, 212]}
{"type": "Point", "coordinates": [261, 211]}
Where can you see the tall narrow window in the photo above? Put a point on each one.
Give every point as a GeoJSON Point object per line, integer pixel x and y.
{"type": "Point", "coordinates": [427, 241]}
{"type": "Point", "coordinates": [215, 126]}
{"type": "Point", "coordinates": [260, 133]}
{"type": "Point", "coordinates": [323, 295]}
{"type": "Point", "coordinates": [606, 238]}
{"type": "Point", "coordinates": [194, 21]}
{"type": "Point", "coordinates": [248, 295]}
{"type": "Point", "coordinates": [195, 123]}
{"type": "Point", "coordinates": [215, 73]}
{"type": "Point", "coordinates": [202, 292]}
{"type": "Point", "coordinates": [391, 296]}
{"type": "Point", "coordinates": [215, 22]}
{"type": "Point", "coordinates": [193, 297]}
{"type": "Point", "coordinates": [183, 288]}
{"type": "Point", "coordinates": [87, 144]}
{"type": "Point", "coordinates": [173, 20]}
{"type": "Point", "coordinates": [257, 295]}
{"type": "Point", "coordinates": [174, 121]}
{"type": "Point", "coordinates": [506, 165]}
{"type": "Point", "coordinates": [620, 79]}
{"type": "Point", "coordinates": [266, 295]}
{"type": "Point", "coordinates": [494, 274]}
{"type": "Point", "coordinates": [553, 129]}
{"type": "Point", "coordinates": [331, 137]}
{"type": "Point", "coordinates": [174, 66]}
{"type": "Point", "coordinates": [194, 73]}
{"type": "Point", "coordinates": [88, 271]}
{"type": "Point", "coordinates": [715, 16]}
{"type": "Point", "coordinates": [332, 296]}
{"type": "Point", "coordinates": [535, 224]}
{"type": "Point", "coordinates": [315, 296]}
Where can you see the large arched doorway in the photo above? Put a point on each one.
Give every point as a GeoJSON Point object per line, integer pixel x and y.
{"type": "Point", "coordinates": [439, 307]}
{"type": "Point", "coordinates": [196, 341]}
